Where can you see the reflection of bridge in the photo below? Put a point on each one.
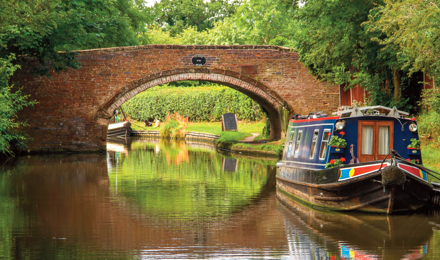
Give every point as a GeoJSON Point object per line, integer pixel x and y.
{"type": "Point", "coordinates": [74, 107]}
{"type": "Point", "coordinates": [96, 221]}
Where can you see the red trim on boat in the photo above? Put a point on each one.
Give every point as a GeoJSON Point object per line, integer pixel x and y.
{"type": "Point", "coordinates": [313, 119]}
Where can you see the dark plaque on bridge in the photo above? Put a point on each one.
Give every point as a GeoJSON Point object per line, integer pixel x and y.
{"type": "Point", "coordinates": [198, 60]}
{"type": "Point", "coordinates": [229, 122]}
{"type": "Point", "coordinates": [229, 164]}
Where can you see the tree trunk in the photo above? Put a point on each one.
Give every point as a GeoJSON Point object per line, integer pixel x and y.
{"type": "Point", "coordinates": [397, 90]}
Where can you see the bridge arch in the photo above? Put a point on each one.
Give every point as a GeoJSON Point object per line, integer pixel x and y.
{"type": "Point", "coordinates": [273, 103]}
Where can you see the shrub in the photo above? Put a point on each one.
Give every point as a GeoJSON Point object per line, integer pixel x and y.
{"type": "Point", "coordinates": [206, 103]}
{"type": "Point", "coordinates": [174, 127]}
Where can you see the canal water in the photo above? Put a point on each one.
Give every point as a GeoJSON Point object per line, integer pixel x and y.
{"type": "Point", "coordinates": [152, 199]}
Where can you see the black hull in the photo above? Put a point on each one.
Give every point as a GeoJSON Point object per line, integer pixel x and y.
{"type": "Point", "coordinates": [321, 189]}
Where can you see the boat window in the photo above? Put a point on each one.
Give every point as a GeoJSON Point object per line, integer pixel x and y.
{"type": "Point", "coordinates": [384, 140]}
{"type": "Point", "coordinates": [298, 141]}
{"type": "Point", "coordinates": [324, 144]}
{"type": "Point", "coordinates": [292, 134]}
{"type": "Point", "coordinates": [314, 143]}
{"type": "Point", "coordinates": [290, 146]}
{"type": "Point", "coordinates": [367, 139]}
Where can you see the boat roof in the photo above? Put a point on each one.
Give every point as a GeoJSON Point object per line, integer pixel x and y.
{"type": "Point", "coordinates": [347, 112]}
{"type": "Point", "coordinates": [371, 111]}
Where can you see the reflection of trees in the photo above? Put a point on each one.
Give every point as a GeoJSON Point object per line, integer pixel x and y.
{"type": "Point", "coordinates": [195, 186]}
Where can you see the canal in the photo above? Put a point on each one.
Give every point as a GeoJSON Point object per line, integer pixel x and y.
{"type": "Point", "coordinates": [156, 199]}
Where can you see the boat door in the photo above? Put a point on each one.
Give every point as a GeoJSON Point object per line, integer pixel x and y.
{"type": "Point", "coordinates": [375, 140]}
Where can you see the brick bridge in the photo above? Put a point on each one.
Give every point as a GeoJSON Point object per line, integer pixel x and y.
{"type": "Point", "coordinates": [74, 107]}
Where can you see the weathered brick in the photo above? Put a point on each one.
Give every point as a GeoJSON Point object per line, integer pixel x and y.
{"type": "Point", "coordinates": [83, 99]}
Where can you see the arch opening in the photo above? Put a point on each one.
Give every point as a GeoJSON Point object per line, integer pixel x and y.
{"type": "Point", "coordinates": [270, 101]}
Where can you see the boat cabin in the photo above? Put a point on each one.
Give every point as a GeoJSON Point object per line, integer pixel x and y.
{"type": "Point", "coordinates": [360, 135]}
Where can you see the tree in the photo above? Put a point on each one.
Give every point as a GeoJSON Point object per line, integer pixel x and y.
{"type": "Point", "coordinates": [413, 26]}
{"type": "Point", "coordinates": [267, 22]}
{"type": "Point", "coordinates": [225, 32]}
{"type": "Point", "coordinates": [11, 101]}
{"type": "Point", "coordinates": [335, 43]}
{"type": "Point", "coordinates": [40, 29]}
{"type": "Point", "coordinates": [175, 16]}
{"type": "Point", "coordinates": [42, 34]}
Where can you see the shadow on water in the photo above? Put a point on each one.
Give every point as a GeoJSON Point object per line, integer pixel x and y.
{"type": "Point", "coordinates": [153, 199]}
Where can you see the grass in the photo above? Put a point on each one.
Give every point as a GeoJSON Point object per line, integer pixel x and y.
{"type": "Point", "coordinates": [277, 148]}
{"type": "Point", "coordinates": [232, 137]}
{"type": "Point", "coordinates": [429, 133]}
{"type": "Point", "coordinates": [431, 157]}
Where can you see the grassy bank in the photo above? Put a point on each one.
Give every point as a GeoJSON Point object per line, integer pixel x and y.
{"type": "Point", "coordinates": [270, 148]}
{"type": "Point", "coordinates": [431, 157]}
{"type": "Point", "coordinates": [428, 124]}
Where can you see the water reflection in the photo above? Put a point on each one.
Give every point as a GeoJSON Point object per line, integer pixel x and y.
{"type": "Point", "coordinates": [153, 199]}
{"type": "Point", "coordinates": [314, 234]}
{"type": "Point", "coordinates": [174, 179]}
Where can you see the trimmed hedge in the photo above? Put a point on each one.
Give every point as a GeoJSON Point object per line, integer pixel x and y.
{"type": "Point", "coordinates": [205, 103]}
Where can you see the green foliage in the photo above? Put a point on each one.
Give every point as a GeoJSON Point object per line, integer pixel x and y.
{"type": "Point", "coordinates": [156, 35]}
{"type": "Point", "coordinates": [430, 155]}
{"type": "Point", "coordinates": [255, 22]}
{"type": "Point", "coordinates": [231, 137]}
{"type": "Point", "coordinates": [43, 28]}
{"type": "Point", "coordinates": [428, 124]}
{"type": "Point", "coordinates": [414, 143]}
{"type": "Point", "coordinates": [171, 129]}
{"type": "Point", "coordinates": [338, 42]}
{"type": "Point", "coordinates": [267, 22]}
{"type": "Point", "coordinates": [207, 103]}
{"type": "Point", "coordinates": [413, 27]}
{"type": "Point", "coordinates": [199, 14]}
{"type": "Point", "coordinates": [431, 99]}
{"type": "Point", "coordinates": [428, 121]}
{"type": "Point", "coordinates": [12, 100]}
{"type": "Point", "coordinates": [225, 32]}
{"type": "Point", "coordinates": [266, 130]}
{"type": "Point", "coordinates": [337, 142]}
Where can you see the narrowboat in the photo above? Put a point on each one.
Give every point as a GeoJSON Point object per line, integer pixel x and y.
{"type": "Point", "coordinates": [359, 159]}
{"type": "Point", "coordinates": [118, 126]}
{"type": "Point", "coordinates": [122, 128]}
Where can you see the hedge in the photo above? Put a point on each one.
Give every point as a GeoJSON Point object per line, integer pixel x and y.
{"type": "Point", "coordinates": [201, 103]}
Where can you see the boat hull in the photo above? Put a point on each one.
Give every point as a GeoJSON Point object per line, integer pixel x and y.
{"type": "Point", "coordinates": [119, 129]}
{"type": "Point", "coordinates": [327, 189]}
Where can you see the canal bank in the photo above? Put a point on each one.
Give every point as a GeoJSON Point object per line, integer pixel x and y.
{"type": "Point", "coordinates": [236, 142]}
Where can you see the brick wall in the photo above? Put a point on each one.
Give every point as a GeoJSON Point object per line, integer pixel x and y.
{"type": "Point", "coordinates": [74, 106]}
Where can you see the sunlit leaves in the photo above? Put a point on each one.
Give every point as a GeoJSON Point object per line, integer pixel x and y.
{"type": "Point", "coordinates": [413, 26]}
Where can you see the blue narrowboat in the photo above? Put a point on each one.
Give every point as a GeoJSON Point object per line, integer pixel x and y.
{"type": "Point", "coordinates": [363, 159]}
